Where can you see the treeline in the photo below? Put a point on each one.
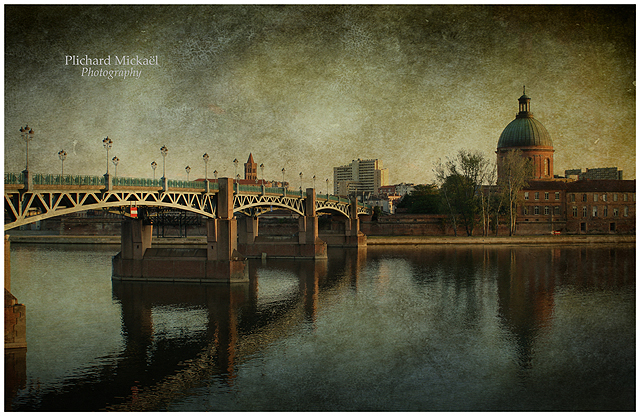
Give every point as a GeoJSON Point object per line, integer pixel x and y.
{"type": "Point", "coordinates": [469, 192]}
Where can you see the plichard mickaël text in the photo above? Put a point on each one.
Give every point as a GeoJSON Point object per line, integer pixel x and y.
{"type": "Point", "coordinates": [128, 66]}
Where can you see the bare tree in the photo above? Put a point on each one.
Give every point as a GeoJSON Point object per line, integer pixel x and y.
{"type": "Point", "coordinates": [460, 181]}
{"type": "Point", "coordinates": [515, 172]}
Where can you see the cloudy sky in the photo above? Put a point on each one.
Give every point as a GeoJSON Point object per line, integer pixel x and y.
{"type": "Point", "coordinates": [308, 88]}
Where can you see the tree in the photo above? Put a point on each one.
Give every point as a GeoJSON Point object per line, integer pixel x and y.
{"type": "Point", "coordinates": [423, 199]}
{"type": "Point", "coordinates": [460, 180]}
{"type": "Point", "coordinates": [515, 172]}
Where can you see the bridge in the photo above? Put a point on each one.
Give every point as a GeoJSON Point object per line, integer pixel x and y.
{"type": "Point", "coordinates": [223, 202]}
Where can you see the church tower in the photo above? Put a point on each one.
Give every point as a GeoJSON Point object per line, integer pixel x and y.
{"type": "Point", "coordinates": [250, 169]}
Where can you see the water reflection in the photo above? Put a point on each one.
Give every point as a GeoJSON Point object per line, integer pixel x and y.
{"type": "Point", "coordinates": [388, 328]}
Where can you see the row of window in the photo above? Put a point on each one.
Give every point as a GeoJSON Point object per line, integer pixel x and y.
{"type": "Point", "coordinates": [536, 196]}
{"type": "Point", "coordinates": [526, 210]}
{"type": "Point", "coordinates": [572, 197]}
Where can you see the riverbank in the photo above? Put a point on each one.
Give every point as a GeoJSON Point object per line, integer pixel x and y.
{"type": "Point", "coordinates": [371, 240]}
{"type": "Point", "coordinates": [527, 240]}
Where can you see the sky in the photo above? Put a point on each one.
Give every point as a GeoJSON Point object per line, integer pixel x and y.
{"type": "Point", "coordinates": [307, 88]}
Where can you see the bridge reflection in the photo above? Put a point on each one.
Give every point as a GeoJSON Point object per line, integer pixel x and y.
{"type": "Point", "coordinates": [179, 336]}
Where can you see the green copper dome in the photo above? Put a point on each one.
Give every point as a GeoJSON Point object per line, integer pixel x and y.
{"type": "Point", "coordinates": [524, 130]}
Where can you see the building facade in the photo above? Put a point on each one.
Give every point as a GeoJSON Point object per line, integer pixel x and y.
{"type": "Point", "coordinates": [595, 201]}
{"type": "Point", "coordinates": [366, 176]}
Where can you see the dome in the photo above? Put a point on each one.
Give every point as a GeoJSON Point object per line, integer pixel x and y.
{"type": "Point", "coordinates": [524, 131]}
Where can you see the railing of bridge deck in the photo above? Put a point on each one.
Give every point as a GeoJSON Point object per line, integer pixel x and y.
{"type": "Point", "coordinates": [186, 184]}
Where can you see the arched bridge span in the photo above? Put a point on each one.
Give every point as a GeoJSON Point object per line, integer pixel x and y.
{"type": "Point", "coordinates": [47, 197]}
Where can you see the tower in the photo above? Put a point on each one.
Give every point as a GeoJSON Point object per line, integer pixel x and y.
{"type": "Point", "coordinates": [250, 169]}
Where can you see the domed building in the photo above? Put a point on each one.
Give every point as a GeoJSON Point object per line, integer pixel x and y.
{"type": "Point", "coordinates": [527, 134]}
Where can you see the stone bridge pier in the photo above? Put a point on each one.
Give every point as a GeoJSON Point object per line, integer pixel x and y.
{"type": "Point", "coordinates": [220, 261]}
{"type": "Point", "coordinates": [307, 245]}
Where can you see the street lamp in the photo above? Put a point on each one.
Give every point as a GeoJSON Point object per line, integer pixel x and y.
{"type": "Point", "coordinates": [154, 165]}
{"type": "Point", "coordinates": [300, 181]}
{"type": "Point", "coordinates": [327, 180]}
{"type": "Point", "coordinates": [283, 177]}
{"type": "Point", "coordinates": [188, 169]}
{"type": "Point", "coordinates": [314, 182]}
{"type": "Point", "coordinates": [108, 143]}
{"type": "Point", "coordinates": [215, 174]}
{"type": "Point", "coordinates": [163, 151]}
{"type": "Point", "coordinates": [115, 161]}
{"type": "Point", "coordinates": [235, 162]}
{"type": "Point", "coordinates": [27, 135]}
{"type": "Point", "coordinates": [205, 157]}
{"type": "Point", "coordinates": [262, 172]}
{"type": "Point", "coordinates": [62, 155]}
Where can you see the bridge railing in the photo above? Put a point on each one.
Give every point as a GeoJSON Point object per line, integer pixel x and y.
{"type": "Point", "coordinates": [13, 178]}
{"type": "Point", "coordinates": [186, 184]}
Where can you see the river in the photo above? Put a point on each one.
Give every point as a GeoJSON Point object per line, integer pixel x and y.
{"type": "Point", "coordinates": [391, 328]}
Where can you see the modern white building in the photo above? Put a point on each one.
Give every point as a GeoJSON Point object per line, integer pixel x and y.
{"type": "Point", "coordinates": [360, 176]}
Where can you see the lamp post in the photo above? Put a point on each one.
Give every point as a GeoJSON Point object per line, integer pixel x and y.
{"type": "Point", "coordinates": [300, 181]}
{"type": "Point", "coordinates": [115, 161]}
{"type": "Point", "coordinates": [215, 174]}
{"type": "Point", "coordinates": [188, 169]}
{"type": "Point", "coordinates": [163, 152]}
{"type": "Point", "coordinates": [327, 180]}
{"type": "Point", "coordinates": [235, 162]}
{"type": "Point", "coordinates": [314, 182]}
{"type": "Point", "coordinates": [108, 144]}
{"type": "Point", "coordinates": [205, 157]}
{"type": "Point", "coordinates": [27, 134]}
{"type": "Point", "coordinates": [62, 155]}
{"type": "Point", "coordinates": [154, 165]}
{"type": "Point", "coordinates": [283, 177]}
{"type": "Point", "coordinates": [262, 172]}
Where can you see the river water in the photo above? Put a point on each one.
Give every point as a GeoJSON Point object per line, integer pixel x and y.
{"type": "Point", "coordinates": [388, 328]}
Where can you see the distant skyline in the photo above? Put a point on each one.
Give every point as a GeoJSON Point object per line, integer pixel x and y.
{"type": "Point", "coordinates": [308, 88]}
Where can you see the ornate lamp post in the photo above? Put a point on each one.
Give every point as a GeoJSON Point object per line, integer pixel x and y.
{"type": "Point", "coordinates": [188, 169]}
{"type": "Point", "coordinates": [283, 177]}
{"type": "Point", "coordinates": [262, 172]}
{"type": "Point", "coordinates": [27, 134]}
{"type": "Point", "coordinates": [300, 181]}
{"type": "Point", "coordinates": [115, 161]}
{"type": "Point", "coordinates": [235, 162]}
{"type": "Point", "coordinates": [327, 180]}
{"type": "Point", "coordinates": [215, 174]}
{"type": "Point", "coordinates": [163, 152]}
{"type": "Point", "coordinates": [205, 157]}
{"type": "Point", "coordinates": [314, 182]}
{"type": "Point", "coordinates": [108, 144]}
{"type": "Point", "coordinates": [154, 165]}
{"type": "Point", "coordinates": [62, 155]}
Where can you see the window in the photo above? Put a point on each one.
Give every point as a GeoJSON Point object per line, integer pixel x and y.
{"type": "Point", "coordinates": [546, 167]}
{"type": "Point", "coordinates": [537, 196]}
{"type": "Point", "coordinates": [595, 197]}
{"type": "Point", "coordinates": [626, 211]}
{"type": "Point", "coordinates": [525, 210]}
{"type": "Point", "coordinates": [557, 196]}
{"type": "Point", "coordinates": [604, 197]}
{"type": "Point", "coordinates": [625, 197]}
{"type": "Point", "coordinates": [536, 210]}
{"type": "Point", "coordinates": [575, 211]}
{"type": "Point", "coordinates": [584, 197]}
{"type": "Point", "coordinates": [546, 210]}
{"type": "Point", "coordinates": [526, 196]}
{"type": "Point", "coordinates": [584, 211]}
{"type": "Point", "coordinates": [546, 196]}
{"type": "Point", "coordinates": [594, 211]}
{"type": "Point", "coordinates": [605, 211]}
{"type": "Point", "coordinates": [615, 212]}
{"type": "Point", "coordinates": [556, 210]}
{"type": "Point", "coordinates": [615, 197]}
{"type": "Point", "coordinates": [573, 197]}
